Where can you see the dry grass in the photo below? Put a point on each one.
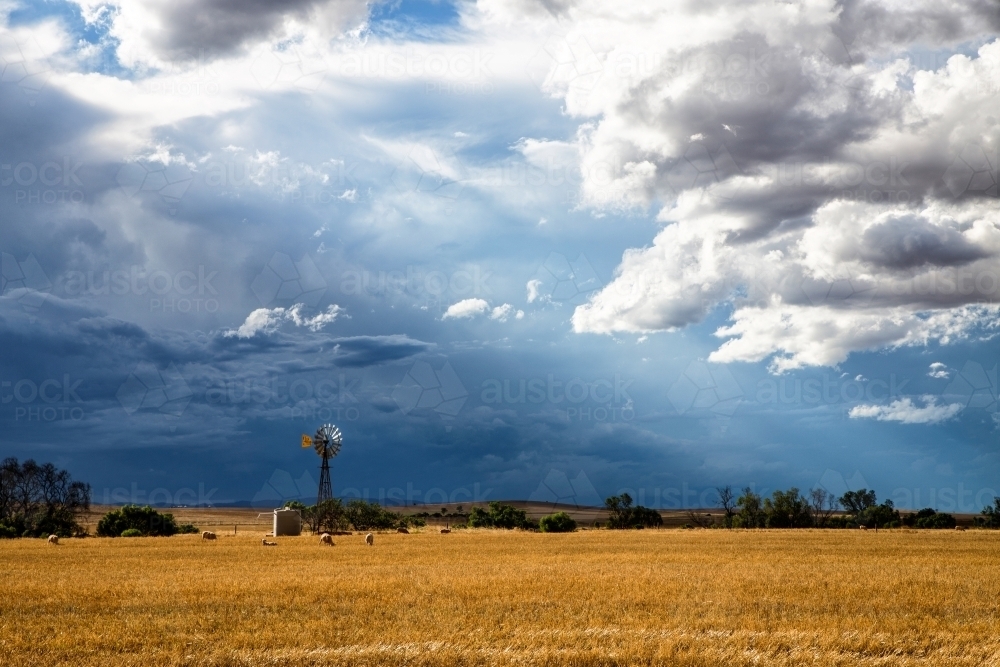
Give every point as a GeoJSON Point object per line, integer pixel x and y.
{"type": "Point", "coordinates": [590, 598]}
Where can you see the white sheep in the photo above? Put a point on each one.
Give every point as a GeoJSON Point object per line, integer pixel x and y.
{"type": "Point", "coordinates": [369, 539]}
{"type": "Point", "coordinates": [53, 539]}
{"type": "Point", "coordinates": [207, 535]}
{"type": "Point", "coordinates": [326, 538]}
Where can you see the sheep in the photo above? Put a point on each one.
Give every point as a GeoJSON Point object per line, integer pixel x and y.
{"type": "Point", "coordinates": [863, 527]}
{"type": "Point", "coordinates": [207, 535]}
{"type": "Point", "coordinates": [959, 527]}
{"type": "Point", "coordinates": [369, 539]}
{"type": "Point", "coordinates": [445, 531]}
{"type": "Point", "coordinates": [53, 539]}
{"type": "Point", "coordinates": [265, 543]}
{"type": "Point", "coordinates": [403, 530]}
{"type": "Point", "coordinates": [326, 538]}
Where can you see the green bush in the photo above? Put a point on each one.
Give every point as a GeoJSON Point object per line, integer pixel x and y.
{"type": "Point", "coordinates": [560, 522]}
{"type": "Point", "coordinates": [132, 532]}
{"type": "Point", "coordinates": [146, 520]}
{"type": "Point", "coordinates": [188, 529]}
{"type": "Point", "coordinates": [7, 532]}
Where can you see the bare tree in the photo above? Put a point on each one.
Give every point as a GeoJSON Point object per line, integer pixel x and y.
{"type": "Point", "coordinates": [822, 505]}
{"type": "Point", "coordinates": [727, 499]}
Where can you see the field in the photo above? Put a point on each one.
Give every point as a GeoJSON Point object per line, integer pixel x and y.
{"type": "Point", "coordinates": [671, 597]}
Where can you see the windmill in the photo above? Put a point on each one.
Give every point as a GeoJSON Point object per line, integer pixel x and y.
{"type": "Point", "coordinates": [327, 443]}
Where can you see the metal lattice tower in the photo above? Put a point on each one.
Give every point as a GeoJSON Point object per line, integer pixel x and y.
{"type": "Point", "coordinates": [327, 443]}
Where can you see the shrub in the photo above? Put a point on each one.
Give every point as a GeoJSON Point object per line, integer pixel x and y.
{"type": "Point", "coordinates": [132, 532]}
{"type": "Point", "coordinates": [560, 522]}
{"type": "Point", "coordinates": [146, 520]}
{"type": "Point", "coordinates": [7, 532]}
{"type": "Point", "coordinates": [187, 529]}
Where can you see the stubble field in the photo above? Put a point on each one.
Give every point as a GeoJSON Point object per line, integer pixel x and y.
{"type": "Point", "coordinates": [670, 597]}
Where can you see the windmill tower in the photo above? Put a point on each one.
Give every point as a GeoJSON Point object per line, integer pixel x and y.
{"type": "Point", "coordinates": [327, 443]}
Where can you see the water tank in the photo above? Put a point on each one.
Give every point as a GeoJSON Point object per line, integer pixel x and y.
{"type": "Point", "coordinates": [287, 522]}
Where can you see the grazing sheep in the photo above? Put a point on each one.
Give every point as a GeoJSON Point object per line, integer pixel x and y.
{"type": "Point", "coordinates": [265, 543]}
{"type": "Point", "coordinates": [445, 531]}
{"type": "Point", "coordinates": [53, 539]}
{"type": "Point", "coordinates": [403, 530]}
{"type": "Point", "coordinates": [326, 538]}
{"type": "Point", "coordinates": [207, 535]}
{"type": "Point", "coordinates": [959, 527]}
{"type": "Point", "coordinates": [369, 539]}
{"type": "Point", "coordinates": [863, 527]}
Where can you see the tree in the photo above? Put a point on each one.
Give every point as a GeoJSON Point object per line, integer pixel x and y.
{"type": "Point", "coordinates": [727, 499]}
{"type": "Point", "coordinates": [328, 516]}
{"type": "Point", "coordinates": [560, 522]}
{"type": "Point", "coordinates": [822, 505]}
{"type": "Point", "coordinates": [147, 521]}
{"type": "Point", "coordinates": [856, 502]}
{"type": "Point", "coordinates": [364, 515]}
{"type": "Point", "coordinates": [786, 509]}
{"type": "Point", "coordinates": [929, 518]}
{"type": "Point", "coordinates": [862, 508]}
{"type": "Point", "coordinates": [991, 514]}
{"type": "Point", "coordinates": [500, 515]}
{"type": "Point", "coordinates": [620, 510]}
{"type": "Point", "coordinates": [623, 515]}
{"type": "Point", "coordinates": [37, 499]}
{"type": "Point", "coordinates": [751, 512]}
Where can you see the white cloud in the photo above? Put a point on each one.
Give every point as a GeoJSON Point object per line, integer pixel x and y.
{"type": "Point", "coordinates": [939, 370]}
{"type": "Point", "coordinates": [533, 286]}
{"type": "Point", "coordinates": [845, 228]}
{"type": "Point", "coordinates": [505, 312]}
{"type": "Point", "coordinates": [466, 308]}
{"type": "Point", "coordinates": [798, 336]}
{"type": "Point", "coordinates": [904, 411]}
{"type": "Point", "coordinates": [267, 320]}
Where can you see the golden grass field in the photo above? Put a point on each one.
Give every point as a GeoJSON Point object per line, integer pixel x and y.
{"type": "Point", "coordinates": [668, 597]}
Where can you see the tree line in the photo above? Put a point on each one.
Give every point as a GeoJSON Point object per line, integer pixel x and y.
{"type": "Point", "coordinates": [821, 509]}
{"type": "Point", "coordinates": [40, 500]}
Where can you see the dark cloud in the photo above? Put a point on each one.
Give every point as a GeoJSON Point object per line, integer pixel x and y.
{"type": "Point", "coordinates": [198, 29]}
{"type": "Point", "coordinates": [904, 242]}
{"type": "Point", "coordinates": [371, 350]}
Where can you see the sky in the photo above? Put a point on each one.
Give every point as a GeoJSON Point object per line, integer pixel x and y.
{"type": "Point", "coordinates": [512, 249]}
